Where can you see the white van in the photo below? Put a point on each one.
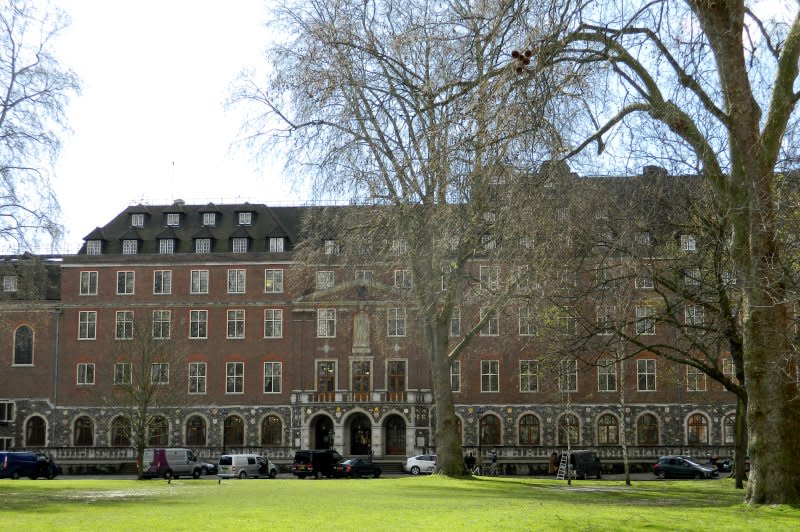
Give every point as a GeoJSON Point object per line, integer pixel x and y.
{"type": "Point", "coordinates": [171, 463]}
{"type": "Point", "coordinates": [245, 465]}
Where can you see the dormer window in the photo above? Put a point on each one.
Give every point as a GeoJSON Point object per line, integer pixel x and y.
{"type": "Point", "coordinates": [245, 218]}
{"type": "Point", "coordinates": [331, 247]}
{"type": "Point", "coordinates": [9, 283]}
{"type": "Point", "coordinates": [94, 247]}
{"type": "Point", "coordinates": [209, 219]}
{"type": "Point", "coordinates": [137, 220]}
{"type": "Point", "coordinates": [239, 245]}
{"type": "Point", "coordinates": [166, 246]}
{"type": "Point", "coordinates": [202, 245]}
{"type": "Point", "coordinates": [173, 219]}
{"type": "Point", "coordinates": [130, 247]}
{"type": "Point", "coordinates": [642, 238]}
{"type": "Point", "coordinates": [688, 243]}
{"type": "Point", "coordinates": [276, 245]}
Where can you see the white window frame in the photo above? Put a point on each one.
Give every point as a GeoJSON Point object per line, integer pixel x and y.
{"type": "Point", "coordinates": [200, 317]}
{"type": "Point", "coordinates": [237, 281]}
{"type": "Point", "coordinates": [527, 321]}
{"type": "Point", "coordinates": [568, 375]}
{"type": "Point", "coordinates": [606, 375]}
{"type": "Point", "coordinates": [688, 242]}
{"type": "Point", "coordinates": [489, 278]}
{"type": "Point", "coordinates": [235, 324]}
{"type": "Point", "coordinates": [197, 278]}
{"type": "Point", "coordinates": [7, 412]}
{"type": "Point", "coordinates": [173, 219]}
{"type": "Point", "coordinates": [403, 280]}
{"type": "Point", "coordinates": [234, 371]}
{"type": "Point", "coordinates": [693, 277]}
{"type": "Point", "coordinates": [165, 286]}
{"type": "Point", "coordinates": [644, 278]}
{"type": "Point", "coordinates": [364, 276]}
{"type": "Point", "coordinates": [605, 319]}
{"type": "Point", "coordinates": [245, 218]}
{"type": "Point", "coordinates": [696, 380]}
{"type": "Point", "coordinates": [94, 247]}
{"type": "Point", "coordinates": [491, 326]}
{"type": "Point", "coordinates": [324, 280]}
{"type": "Point", "coordinates": [273, 374]}
{"type": "Point", "coordinates": [159, 373]}
{"type": "Point", "coordinates": [162, 324]}
{"type": "Point", "coordinates": [202, 245]}
{"type": "Point", "coordinates": [455, 323]}
{"type": "Point", "coordinates": [277, 244]}
{"type": "Point", "coordinates": [130, 246]}
{"type": "Point", "coordinates": [646, 368]}
{"type": "Point", "coordinates": [197, 378]}
{"type": "Point", "coordinates": [87, 325]}
{"type": "Point", "coordinates": [137, 220]}
{"type": "Point", "coordinates": [694, 315]}
{"type": "Point", "coordinates": [645, 320]}
{"type": "Point", "coordinates": [123, 325]}
{"type": "Point", "coordinates": [490, 376]}
{"type": "Point", "coordinates": [166, 246]}
{"type": "Point", "coordinates": [10, 283]}
{"type": "Point", "coordinates": [273, 317]}
{"type": "Point", "coordinates": [330, 247]}
{"type": "Point", "coordinates": [455, 376]}
{"type": "Point", "coordinates": [89, 281]}
{"type": "Point", "coordinates": [239, 244]}
{"type": "Point", "coordinates": [123, 374]}
{"type": "Point", "coordinates": [85, 374]}
{"type": "Point", "coordinates": [209, 219]}
{"type": "Point", "coordinates": [273, 281]}
{"type": "Point", "coordinates": [528, 376]}
{"type": "Point", "coordinates": [128, 283]}
{"type": "Point", "coordinates": [326, 323]}
{"type": "Point", "coordinates": [396, 322]}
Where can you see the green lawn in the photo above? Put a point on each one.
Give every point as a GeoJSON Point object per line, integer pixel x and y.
{"type": "Point", "coordinates": [403, 503]}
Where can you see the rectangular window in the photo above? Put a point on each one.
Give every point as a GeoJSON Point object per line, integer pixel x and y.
{"type": "Point", "coordinates": [9, 283]}
{"type": "Point", "coordinates": [567, 279]}
{"type": "Point", "coordinates": [276, 244]}
{"type": "Point", "coordinates": [688, 243]}
{"type": "Point", "coordinates": [85, 373]}
{"type": "Point", "coordinates": [729, 370]}
{"type": "Point", "coordinates": [239, 245]}
{"type": "Point", "coordinates": [402, 279]}
{"type": "Point", "coordinates": [605, 319]}
{"type": "Point", "coordinates": [642, 239]}
{"type": "Point", "coordinates": [166, 246]}
{"type": "Point", "coordinates": [87, 325]}
{"type": "Point", "coordinates": [491, 327]}
{"type": "Point", "coordinates": [644, 278]}
{"type": "Point", "coordinates": [490, 375]}
{"type": "Point", "coordinates": [455, 376]}
{"type": "Point", "coordinates": [399, 246]}
{"type": "Point", "coordinates": [489, 278]}
{"type": "Point", "coordinates": [326, 323]}
{"type": "Point", "coordinates": [324, 280]}
{"type": "Point", "coordinates": [130, 246]}
{"type": "Point", "coordinates": [364, 276]}
{"type": "Point", "coordinates": [6, 412]}
{"type": "Point", "coordinates": [606, 375]}
{"type": "Point", "coordinates": [122, 373]}
{"type": "Point", "coordinates": [273, 281]}
{"type": "Point", "coordinates": [396, 321]}
{"type": "Point", "coordinates": [528, 376]}
{"type": "Point", "coordinates": [527, 322]}
{"type": "Point", "coordinates": [202, 245]}
{"type": "Point", "coordinates": [198, 324]}
{"type": "Point", "coordinates": [173, 219]}
{"type": "Point", "coordinates": [273, 323]}
{"type": "Point", "coordinates": [94, 247]}
{"type": "Point", "coordinates": [124, 328]}
{"type": "Point", "coordinates": [197, 377]}
{"type": "Point", "coordinates": [236, 281]}
{"type": "Point", "coordinates": [125, 283]}
{"type": "Point", "coordinates": [695, 380]}
{"type": "Point", "coordinates": [236, 323]}
{"type": "Point", "coordinates": [694, 315]}
{"type": "Point", "coordinates": [245, 218]}
{"type": "Point", "coordinates": [272, 377]}
{"type": "Point", "coordinates": [568, 375]}
{"type": "Point", "coordinates": [396, 380]}
{"type": "Point", "coordinates": [159, 373]}
{"type": "Point", "coordinates": [645, 319]}
{"type": "Point", "coordinates": [330, 247]}
{"type": "Point", "coordinates": [455, 322]}
{"type": "Point", "coordinates": [521, 279]}
{"type": "Point", "coordinates": [234, 377]}
{"type": "Point", "coordinates": [360, 375]}
{"type": "Point", "coordinates": [326, 380]}
{"type": "Point", "coordinates": [199, 282]}
{"type": "Point", "coordinates": [137, 220]}
{"type": "Point", "coordinates": [646, 375]}
{"type": "Point", "coordinates": [161, 324]}
{"type": "Point", "coordinates": [88, 284]}
{"type": "Point", "coordinates": [692, 277]}
{"type": "Point", "coordinates": [567, 322]}
{"type": "Point", "coordinates": [162, 282]}
{"type": "Point", "coordinates": [209, 219]}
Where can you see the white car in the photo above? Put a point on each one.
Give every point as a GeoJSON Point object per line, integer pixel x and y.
{"type": "Point", "coordinates": [422, 463]}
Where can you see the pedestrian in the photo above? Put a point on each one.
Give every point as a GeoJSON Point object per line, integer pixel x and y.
{"type": "Point", "coordinates": [469, 461]}
{"type": "Point", "coordinates": [552, 467]}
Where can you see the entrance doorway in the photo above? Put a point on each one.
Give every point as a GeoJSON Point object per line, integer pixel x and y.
{"type": "Point", "coordinates": [322, 429]}
{"type": "Point", "coordinates": [395, 435]}
{"type": "Point", "coordinates": [360, 434]}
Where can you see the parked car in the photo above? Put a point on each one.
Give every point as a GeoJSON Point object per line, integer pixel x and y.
{"type": "Point", "coordinates": [583, 464]}
{"type": "Point", "coordinates": [356, 467]}
{"type": "Point", "coordinates": [173, 463]}
{"type": "Point", "coordinates": [422, 463]}
{"type": "Point", "coordinates": [245, 465]}
{"type": "Point", "coordinates": [16, 464]}
{"type": "Point", "coordinates": [682, 467]}
{"type": "Point", "coordinates": [315, 463]}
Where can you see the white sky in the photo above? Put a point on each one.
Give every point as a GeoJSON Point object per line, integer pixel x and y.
{"type": "Point", "coordinates": [155, 76]}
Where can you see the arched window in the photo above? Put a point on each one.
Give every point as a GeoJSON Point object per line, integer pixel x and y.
{"type": "Point", "coordinates": [158, 431]}
{"type": "Point", "coordinates": [196, 431]}
{"type": "Point", "coordinates": [83, 432]}
{"type": "Point", "coordinates": [271, 431]}
{"type": "Point", "coordinates": [729, 429]}
{"type": "Point", "coordinates": [568, 425]}
{"type": "Point", "coordinates": [121, 432]}
{"type": "Point", "coordinates": [697, 430]}
{"type": "Point", "coordinates": [35, 430]}
{"type": "Point", "coordinates": [529, 430]}
{"type": "Point", "coordinates": [607, 430]}
{"type": "Point", "coordinates": [233, 434]}
{"type": "Point", "coordinates": [23, 346]}
{"type": "Point", "coordinates": [490, 430]}
{"type": "Point", "coordinates": [647, 430]}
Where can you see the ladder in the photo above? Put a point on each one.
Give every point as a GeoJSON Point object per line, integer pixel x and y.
{"type": "Point", "coordinates": [562, 468]}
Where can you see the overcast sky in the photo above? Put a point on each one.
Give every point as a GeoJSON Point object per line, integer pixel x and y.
{"type": "Point", "coordinates": [150, 124]}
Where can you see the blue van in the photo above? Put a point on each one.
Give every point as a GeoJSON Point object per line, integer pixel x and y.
{"type": "Point", "coordinates": [15, 464]}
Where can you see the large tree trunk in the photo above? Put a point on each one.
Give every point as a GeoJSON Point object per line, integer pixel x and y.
{"type": "Point", "coordinates": [740, 459]}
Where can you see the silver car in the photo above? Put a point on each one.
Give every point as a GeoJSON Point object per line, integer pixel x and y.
{"type": "Point", "coordinates": [422, 463]}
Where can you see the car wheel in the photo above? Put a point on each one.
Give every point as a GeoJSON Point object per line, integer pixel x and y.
{"type": "Point", "coordinates": [661, 475]}
{"type": "Point", "coordinates": [168, 475]}
{"type": "Point", "coordinates": [415, 470]}
{"type": "Point", "coordinates": [243, 475]}
{"type": "Point", "coordinates": [196, 473]}
{"type": "Point", "coordinates": [698, 475]}
{"type": "Point", "coordinates": [273, 473]}
{"type": "Point", "coordinates": [376, 473]}
{"type": "Point", "coordinates": [32, 477]}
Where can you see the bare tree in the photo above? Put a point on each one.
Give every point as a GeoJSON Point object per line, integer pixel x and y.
{"type": "Point", "coordinates": [34, 90]}
{"type": "Point", "coordinates": [720, 83]}
{"type": "Point", "coordinates": [407, 107]}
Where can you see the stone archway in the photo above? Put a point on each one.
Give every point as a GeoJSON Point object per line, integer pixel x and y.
{"type": "Point", "coordinates": [322, 433]}
{"type": "Point", "coordinates": [360, 428]}
{"type": "Point", "coordinates": [395, 427]}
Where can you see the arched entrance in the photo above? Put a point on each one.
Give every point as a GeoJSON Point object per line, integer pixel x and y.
{"type": "Point", "coordinates": [322, 429]}
{"type": "Point", "coordinates": [395, 435]}
{"type": "Point", "coordinates": [360, 434]}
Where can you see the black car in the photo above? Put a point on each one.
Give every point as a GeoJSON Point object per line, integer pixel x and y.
{"type": "Point", "coordinates": [681, 467]}
{"type": "Point", "coordinates": [316, 463]}
{"type": "Point", "coordinates": [356, 467]}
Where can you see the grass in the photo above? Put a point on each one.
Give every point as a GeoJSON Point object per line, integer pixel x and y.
{"type": "Point", "coordinates": [402, 503]}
